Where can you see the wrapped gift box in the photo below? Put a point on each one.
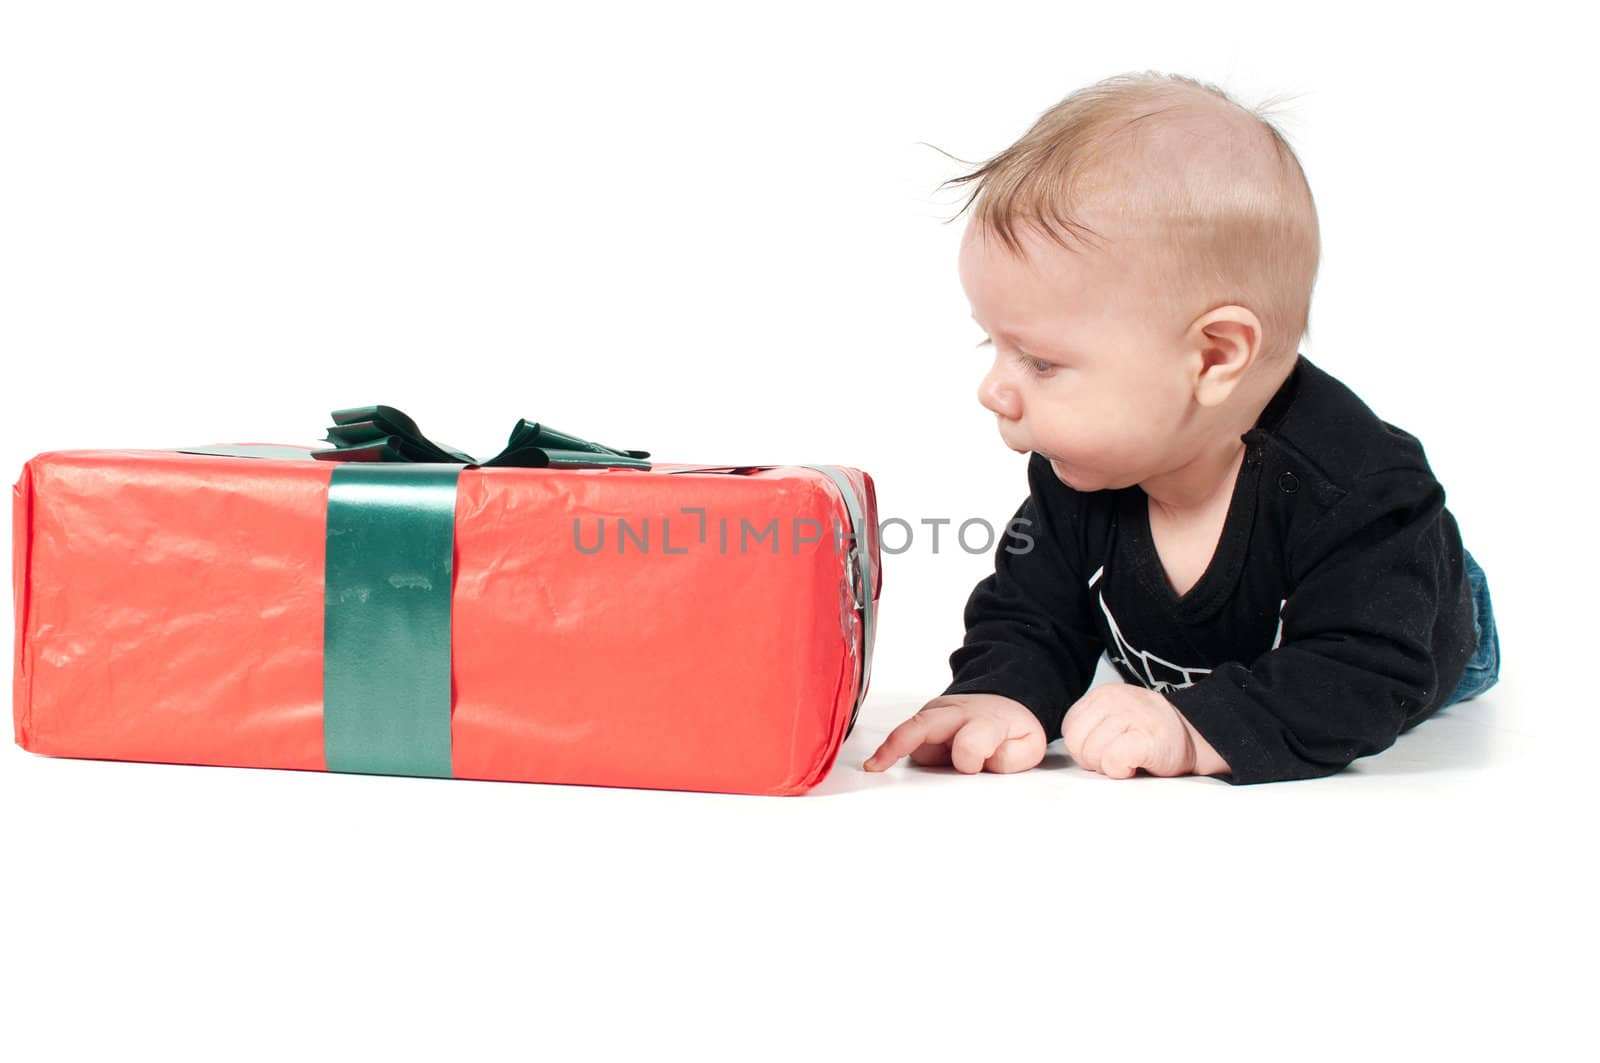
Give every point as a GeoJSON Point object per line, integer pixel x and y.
{"type": "Point", "coordinates": [563, 613]}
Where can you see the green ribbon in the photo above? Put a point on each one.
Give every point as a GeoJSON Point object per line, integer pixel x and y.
{"type": "Point", "coordinates": [386, 619]}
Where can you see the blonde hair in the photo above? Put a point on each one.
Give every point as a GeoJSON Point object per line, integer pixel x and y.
{"type": "Point", "coordinates": [1211, 188]}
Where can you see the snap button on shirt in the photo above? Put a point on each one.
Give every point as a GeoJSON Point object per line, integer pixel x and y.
{"type": "Point", "coordinates": [1288, 483]}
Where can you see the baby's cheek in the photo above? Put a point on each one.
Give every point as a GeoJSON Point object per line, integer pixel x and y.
{"type": "Point", "coordinates": [1118, 433]}
{"type": "Point", "coordinates": [1084, 437]}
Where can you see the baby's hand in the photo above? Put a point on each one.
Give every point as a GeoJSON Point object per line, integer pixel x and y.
{"type": "Point", "coordinates": [1118, 728]}
{"type": "Point", "coordinates": [972, 732]}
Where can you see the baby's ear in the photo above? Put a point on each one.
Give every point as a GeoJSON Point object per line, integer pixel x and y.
{"type": "Point", "coordinates": [1229, 342]}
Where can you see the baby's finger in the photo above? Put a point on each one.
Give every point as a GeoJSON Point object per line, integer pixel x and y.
{"type": "Point", "coordinates": [1016, 754]}
{"type": "Point", "coordinates": [934, 725]}
{"type": "Point", "coordinates": [1125, 755]}
{"type": "Point", "coordinates": [1081, 718]}
{"type": "Point", "coordinates": [1102, 735]}
{"type": "Point", "coordinates": [976, 743]}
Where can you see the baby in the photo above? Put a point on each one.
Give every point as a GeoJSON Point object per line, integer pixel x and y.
{"type": "Point", "coordinates": [1269, 566]}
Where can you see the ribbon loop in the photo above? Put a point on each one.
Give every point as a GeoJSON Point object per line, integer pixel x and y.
{"type": "Point", "coordinates": [383, 433]}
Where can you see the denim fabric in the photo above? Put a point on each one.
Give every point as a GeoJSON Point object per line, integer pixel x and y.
{"type": "Point", "coordinates": [1483, 669]}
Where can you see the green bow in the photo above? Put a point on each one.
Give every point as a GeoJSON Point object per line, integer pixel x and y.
{"type": "Point", "coordinates": [383, 433]}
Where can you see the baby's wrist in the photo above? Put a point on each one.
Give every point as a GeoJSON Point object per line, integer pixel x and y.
{"type": "Point", "coordinates": [1203, 758]}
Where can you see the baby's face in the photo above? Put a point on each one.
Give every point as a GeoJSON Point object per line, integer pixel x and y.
{"type": "Point", "coordinates": [1083, 372]}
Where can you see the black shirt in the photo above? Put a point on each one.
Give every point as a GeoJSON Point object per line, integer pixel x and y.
{"type": "Point", "coordinates": [1334, 615]}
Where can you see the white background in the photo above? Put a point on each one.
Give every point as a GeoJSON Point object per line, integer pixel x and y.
{"type": "Point", "coordinates": [714, 232]}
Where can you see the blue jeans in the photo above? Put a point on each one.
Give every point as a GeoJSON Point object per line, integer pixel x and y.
{"type": "Point", "coordinates": [1483, 669]}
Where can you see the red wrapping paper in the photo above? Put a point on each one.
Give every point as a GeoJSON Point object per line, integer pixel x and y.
{"type": "Point", "coordinates": [169, 607]}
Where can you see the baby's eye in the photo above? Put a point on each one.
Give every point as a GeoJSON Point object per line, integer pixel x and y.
{"type": "Point", "coordinates": [1036, 366]}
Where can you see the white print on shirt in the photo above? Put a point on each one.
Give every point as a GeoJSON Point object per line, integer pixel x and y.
{"type": "Point", "coordinates": [1153, 671]}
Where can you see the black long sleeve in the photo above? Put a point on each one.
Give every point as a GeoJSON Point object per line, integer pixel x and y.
{"type": "Point", "coordinates": [1360, 658]}
{"type": "Point", "coordinates": [1030, 633]}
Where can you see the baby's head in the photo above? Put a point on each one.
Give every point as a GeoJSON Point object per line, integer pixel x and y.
{"type": "Point", "coordinates": [1142, 261]}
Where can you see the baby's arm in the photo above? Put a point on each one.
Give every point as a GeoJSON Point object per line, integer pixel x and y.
{"type": "Point", "coordinates": [1356, 661]}
{"type": "Point", "coordinates": [1029, 651]}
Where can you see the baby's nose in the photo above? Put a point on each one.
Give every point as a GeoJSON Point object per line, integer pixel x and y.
{"type": "Point", "coordinates": [999, 398]}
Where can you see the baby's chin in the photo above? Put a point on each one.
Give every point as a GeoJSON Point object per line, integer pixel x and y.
{"type": "Point", "coordinates": [1075, 476]}
{"type": "Point", "coordinates": [1065, 473]}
